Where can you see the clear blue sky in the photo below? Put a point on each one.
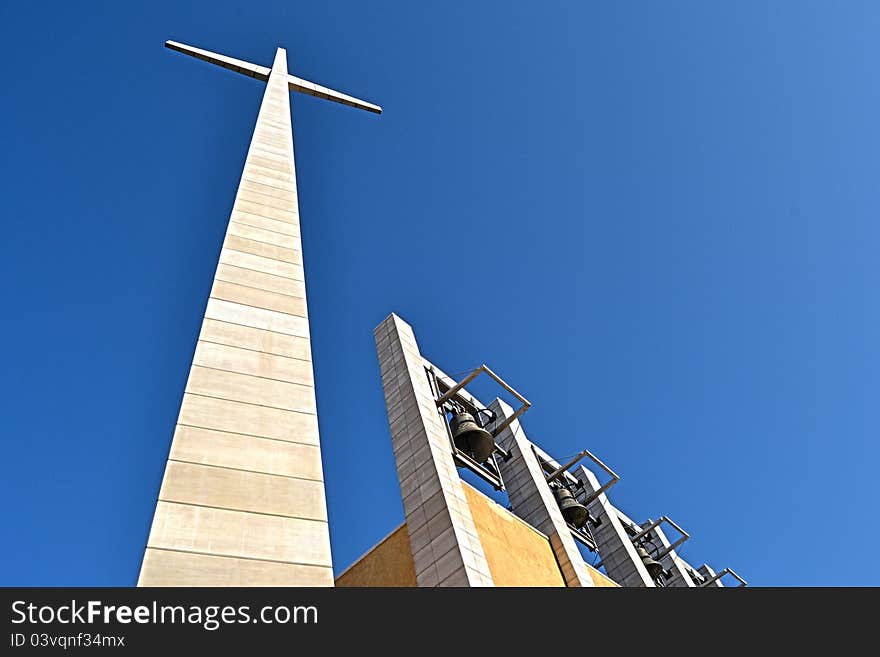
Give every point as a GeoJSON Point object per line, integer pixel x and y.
{"type": "Point", "coordinates": [662, 217]}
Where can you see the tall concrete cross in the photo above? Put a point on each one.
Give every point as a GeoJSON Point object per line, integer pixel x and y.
{"type": "Point", "coordinates": [242, 498]}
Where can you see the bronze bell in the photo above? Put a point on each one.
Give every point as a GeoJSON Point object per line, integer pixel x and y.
{"type": "Point", "coordinates": [573, 511]}
{"type": "Point", "coordinates": [654, 568]}
{"type": "Point", "coordinates": [470, 437]}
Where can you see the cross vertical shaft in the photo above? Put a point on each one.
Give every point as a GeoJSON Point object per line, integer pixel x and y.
{"type": "Point", "coordinates": [242, 499]}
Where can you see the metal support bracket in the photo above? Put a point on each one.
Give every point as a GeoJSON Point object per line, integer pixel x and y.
{"type": "Point", "coordinates": [489, 471]}
{"type": "Point", "coordinates": [614, 478]}
{"type": "Point", "coordinates": [726, 571]}
{"type": "Point", "coordinates": [592, 496]}
{"type": "Point", "coordinates": [656, 523]}
{"type": "Point", "coordinates": [473, 375]}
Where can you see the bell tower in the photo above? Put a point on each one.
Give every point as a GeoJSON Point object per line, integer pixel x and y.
{"type": "Point", "coordinates": [546, 522]}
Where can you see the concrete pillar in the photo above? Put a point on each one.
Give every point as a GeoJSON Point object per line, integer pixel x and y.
{"type": "Point", "coordinates": [616, 550]}
{"type": "Point", "coordinates": [706, 571]}
{"type": "Point", "coordinates": [532, 500]}
{"type": "Point", "coordinates": [242, 498]}
{"type": "Point", "coordinates": [672, 563]}
{"type": "Point", "coordinates": [446, 547]}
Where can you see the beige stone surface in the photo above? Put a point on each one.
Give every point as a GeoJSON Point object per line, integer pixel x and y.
{"type": "Point", "coordinates": [261, 194]}
{"type": "Point", "coordinates": [239, 534]}
{"type": "Point", "coordinates": [272, 145]}
{"type": "Point", "coordinates": [268, 130]}
{"type": "Point", "coordinates": [231, 63]}
{"type": "Point", "coordinates": [263, 249]}
{"type": "Point", "coordinates": [248, 219]}
{"type": "Point", "coordinates": [259, 263]}
{"type": "Point", "coordinates": [255, 339]}
{"type": "Point", "coordinates": [251, 296]}
{"type": "Point", "coordinates": [255, 363]}
{"type": "Point", "coordinates": [248, 419]}
{"type": "Point", "coordinates": [276, 163]}
{"type": "Point", "coordinates": [233, 450]}
{"type": "Point", "coordinates": [261, 281]}
{"type": "Point", "coordinates": [304, 86]}
{"type": "Point", "coordinates": [268, 320]}
{"type": "Point", "coordinates": [171, 568]}
{"type": "Point", "coordinates": [251, 389]}
{"type": "Point", "coordinates": [255, 176]}
{"type": "Point", "coordinates": [263, 210]}
{"type": "Point", "coordinates": [240, 490]}
{"type": "Point", "coordinates": [259, 147]}
{"type": "Point", "coordinates": [262, 235]}
{"type": "Point", "coordinates": [270, 121]}
{"type": "Point", "coordinates": [269, 171]}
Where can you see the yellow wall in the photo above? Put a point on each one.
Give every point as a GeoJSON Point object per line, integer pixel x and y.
{"type": "Point", "coordinates": [517, 554]}
{"type": "Point", "coordinates": [599, 579]}
{"type": "Point", "coordinates": [388, 564]}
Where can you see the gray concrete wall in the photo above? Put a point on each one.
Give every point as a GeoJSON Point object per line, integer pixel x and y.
{"type": "Point", "coordinates": [707, 573]}
{"type": "Point", "coordinates": [445, 544]}
{"type": "Point", "coordinates": [616, 550]}
{"type": "Point", "coordinates": [532, 500]}
{"type": "Point", "coordinates": [672, 563]}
